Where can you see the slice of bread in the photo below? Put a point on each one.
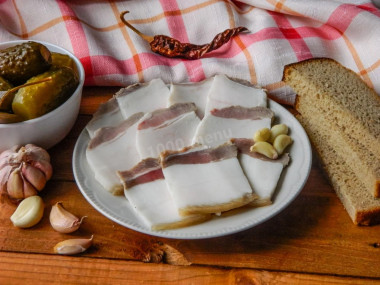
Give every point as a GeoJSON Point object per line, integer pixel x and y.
{"type": "Point", "coordinates": [338, 102]}
{"type": "Point", "coordinates": [363, 163]}
{"type": "Point", "coordinates": [363, 208]}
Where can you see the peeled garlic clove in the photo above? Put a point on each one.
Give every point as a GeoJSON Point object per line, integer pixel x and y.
{"type": "Point", "coordinates": [62, 220]}
{"type": "Point", "coordinates": [276, 130]}
{"type": "Point", "coordinates": [264, 148]}
{"type": "Point", "coordinates": [28, 213]}
{"type": "Point", "coordinates": [73, 246]}
{"type": "Point", "coordinates": [281, 143]}
{"type": "Point", "coordinates": [262, 135]}
{"type": "Point", "coordinates": [34, 176]}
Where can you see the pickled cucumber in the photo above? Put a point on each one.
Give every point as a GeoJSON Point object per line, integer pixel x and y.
{"type": "Point", "coordinates": [7, 118]}
{"type": "Point", "coordinates": [34, 101]}
{"type": "Point", "coordinates": [4, 84]}
{"type": "Point", "coordinates": [21, 62]}
{"type": "Point", "coordinates": [5, 103]}
{"type": "Point", "coordinates": [59, 59]}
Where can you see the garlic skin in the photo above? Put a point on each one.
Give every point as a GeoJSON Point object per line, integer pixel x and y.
{"type": "Point", "coordinates": [24, 171]}
{"type": "Point", "coordinates": [73, 246]}
{"type": "Point", "coordinates": [28, 213]}
{"type": "Point", "coordinates": [62, 220]}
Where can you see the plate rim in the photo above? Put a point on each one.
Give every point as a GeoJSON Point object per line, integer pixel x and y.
{"type": "Point", "coordinates": [173, 234]}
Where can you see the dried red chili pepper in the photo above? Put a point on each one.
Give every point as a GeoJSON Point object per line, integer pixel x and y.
{"type": "Point", "coordinates": [170, 47]}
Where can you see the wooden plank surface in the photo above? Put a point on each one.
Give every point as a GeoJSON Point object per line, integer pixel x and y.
{"type": "Point", "coordinates": [49, 269]}
{"type": "Point", "coordinates": [312, 236]}
{"type": "Point", "coordinates": [299, 239]}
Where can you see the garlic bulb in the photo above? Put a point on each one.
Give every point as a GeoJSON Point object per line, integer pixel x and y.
{"type": "Point", "coordinates": [24, 171]}
{"type": "Point", "coordinates": [73, 246]}
{"type": "Point", "coordinates": [62, 220]}
{"type": "Point", "coordinates": [28, 213]}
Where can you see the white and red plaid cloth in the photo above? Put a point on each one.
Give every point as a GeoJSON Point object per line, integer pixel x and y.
{"type": "Point", "coordinates": [281, 32]}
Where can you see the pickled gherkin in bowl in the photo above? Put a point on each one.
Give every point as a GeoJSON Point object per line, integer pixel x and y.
{"type": "Point", "coordinates": [59, 59]}
{"type": "Point", "coordinates": [45, 112]}
{"type": "Point", "coordinates": [26, 65]}
{"type": "Point", "coordinates": [20, 62]}
{"type": "Point", "coordinates": [5, 84]}
{"type": "Point", "coordinates": [36, 100]}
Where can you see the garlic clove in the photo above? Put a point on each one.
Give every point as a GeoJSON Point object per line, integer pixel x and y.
{"type": "Point", "coordinates": [264, 148]}
{"type": "Point", "coordinates": [45, 167]}
{"type": "Point", "coordinates": [28, 213]}
{"type": "Point", "coordinates": [34, 176]}
{"type": "Point", "coordinates": [15, 185]}
{"type": "Point", "coordinates": [4, 175]}
{"type": "Point", "coordinates": [62, 220]}
{"type": "Point", "coordinates": [29, 190]}
{"type": "Point", "coordinates": [73, 246]}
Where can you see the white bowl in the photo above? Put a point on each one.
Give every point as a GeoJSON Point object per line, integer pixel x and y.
{"type": "Point", "coordinates": [49, 129]}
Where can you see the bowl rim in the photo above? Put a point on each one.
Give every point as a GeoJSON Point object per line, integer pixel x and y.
{"type": "Point", "coordinates": [77, 91]}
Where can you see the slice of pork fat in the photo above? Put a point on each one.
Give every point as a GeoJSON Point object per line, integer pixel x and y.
{"type": "Point", "coordinates": [263, 173]}
{"type": "Point", "coordinates": [146, 190]}
{"type": "Point", "coordinates": [166, 129]}
{"type": "Point", "coordinates": [221, 125]}
{"type": "Point", "coordinates": [208, 180]}
{"type": "Point", "coordinates": [144, 98]}
{"type": "Point", "coordinates": [107, 115]}
{"type": "Point", "coordinates": [225, 92]}
{"type": "Point", "coordinates": [191, 92]}
{"type": "Point", "coordinates": [113, 149]}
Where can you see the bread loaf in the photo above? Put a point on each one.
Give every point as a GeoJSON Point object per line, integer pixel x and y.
{"type": "Point", "coordinates": [342, 117]}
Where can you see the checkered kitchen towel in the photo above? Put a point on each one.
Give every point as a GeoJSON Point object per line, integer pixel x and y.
{"type": "Point", "coordinates": [281, 32]}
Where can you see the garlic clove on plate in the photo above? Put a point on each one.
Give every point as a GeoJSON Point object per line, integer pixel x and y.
{"type": "Point", "coordinates": [28, 213]}
{"type": "Point", "coordinates": [62, 220]}
{"type": "Point", "coordinates": [73, 246]}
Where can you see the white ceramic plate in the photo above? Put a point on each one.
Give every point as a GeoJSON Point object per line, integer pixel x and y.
{"type": "Point", "coordinates": [118, 209]}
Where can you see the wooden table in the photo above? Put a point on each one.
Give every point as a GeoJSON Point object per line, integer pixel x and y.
{"type": "Point", "coordinates": [312, 241]}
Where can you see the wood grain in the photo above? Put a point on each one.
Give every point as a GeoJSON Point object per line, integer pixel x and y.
{"type": "Point", "coordinates": [308, 242]}
{"type": "Point", "coordinates": [95, 95]}
{"type": "Point", "coordinates": [18, 268]}
{"type": "Point", "coordinates": [300, 239]}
